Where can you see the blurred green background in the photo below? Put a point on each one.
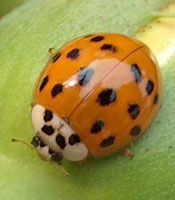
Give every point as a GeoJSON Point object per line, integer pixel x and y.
{"type": "Point", "coordinates": [7, 6]}
{"type": "Point", "coordinates": [26, 34]}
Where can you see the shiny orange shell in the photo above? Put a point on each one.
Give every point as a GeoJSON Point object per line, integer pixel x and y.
{"type": "Point", "coordinates": [107, 86]}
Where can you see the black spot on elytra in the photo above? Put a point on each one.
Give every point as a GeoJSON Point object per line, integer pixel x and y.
{"type": "Point", "coordinates": [73, 139]}
{"type": "Point", "coordinates": [109, 47]}
{"type": "Point", "coordinates": [135, 130]}
{"type": "Point", "coordinates": [73, 54]}
{"type": "Point", "coordinates": [58, 88]}
{"type": "Point", "coordinates": [97, 126]}
{"type": "Point", "coordinates": [48, 115]}
{"type": "Point", "coordinates": [85, 76]}
{"type": "Point", "coordinates": [48, 130]}
{"type": "Point", "coordinates": [56, 57]}
{"type": "Point", "coordinates": [60, 140]}
{"type": "Point", "coordinates": [107, 142]}
{"type": "Point", "coordinates": [97, 39]}
{"type": "Point", "coordinates": [106, 97]}
{"type": "Point", "coordinates": [133, 111]}
{"type": "Point", "coordinates": [156, 99]}
{"type": "Point", "coordinates": [137, 74]}
{"type": "Point", "coordinates": [43, 84]}
{"type": "Point", "coordinates": [149, 87]}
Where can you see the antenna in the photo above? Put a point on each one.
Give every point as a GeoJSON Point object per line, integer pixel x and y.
{"type": "Point", "coordinates": [23, 142]}
{"type": "Point", "coordinates": [66, 173]}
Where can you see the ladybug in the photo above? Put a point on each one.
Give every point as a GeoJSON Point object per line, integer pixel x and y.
{"type": "Point", "coordinates": [96, 95]}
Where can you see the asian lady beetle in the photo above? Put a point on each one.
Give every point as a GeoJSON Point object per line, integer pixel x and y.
{"type": "Point", "coordinates": [96, 95]}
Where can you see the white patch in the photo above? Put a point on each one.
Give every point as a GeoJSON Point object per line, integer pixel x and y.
{"type": "Point", "coordinates": [44, 152]}
{"type": "Point", "coordinates": [75, 152]}
{"type": "Point", "coordinates": [37, 117]}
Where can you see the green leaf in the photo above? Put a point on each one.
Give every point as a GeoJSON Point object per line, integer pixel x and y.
{"type": "Point", "coordinates": [26, 35]}
{"type": "Point", "coordinates": [7, 6]}
{"type": "Point", "coordinates": [160, 35]}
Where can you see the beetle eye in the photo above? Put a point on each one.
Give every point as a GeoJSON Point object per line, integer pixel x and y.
{"type": "Point", "coordinates": [57, 157]}
{"type": "Point", "coordinates": [35, 141]}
